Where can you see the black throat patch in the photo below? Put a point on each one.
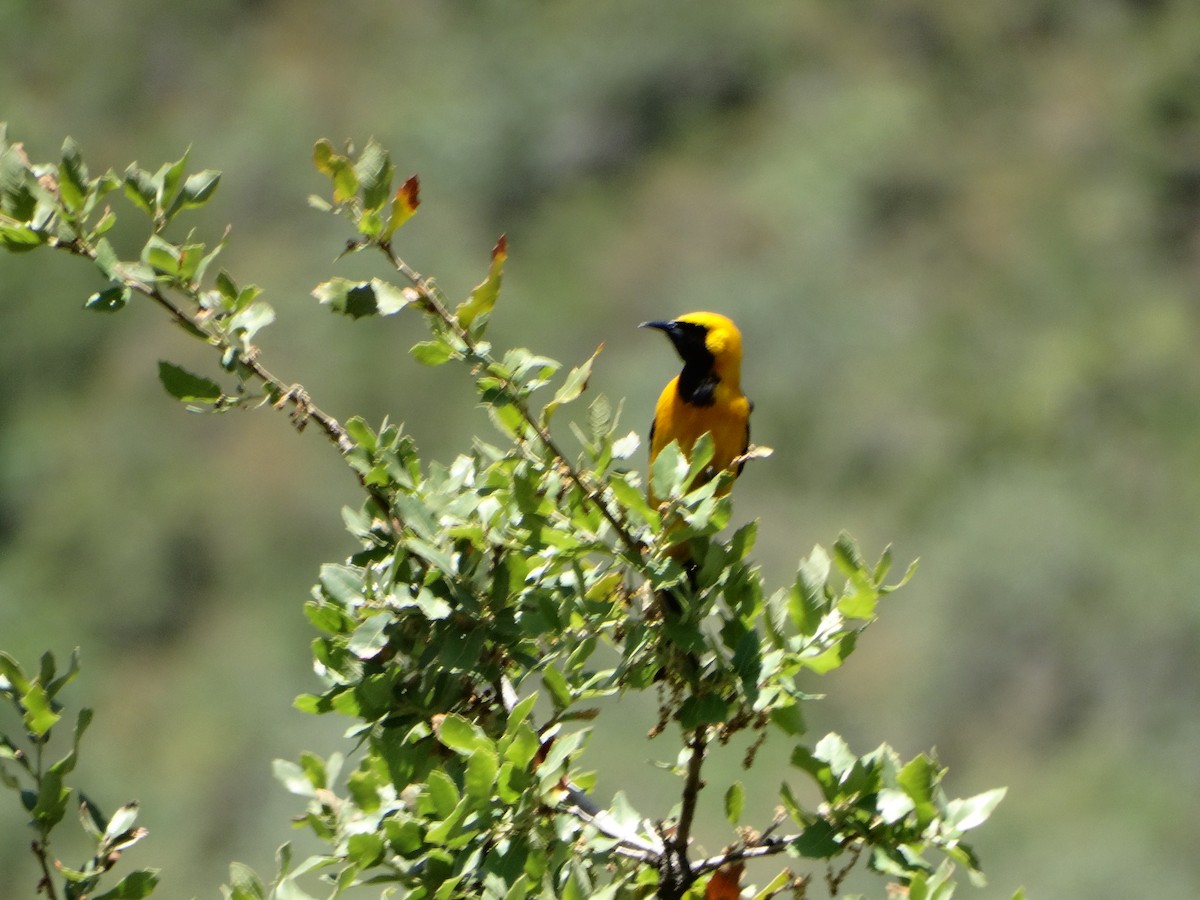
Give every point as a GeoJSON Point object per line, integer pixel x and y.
{"type": "Point", "coordinates": [697, 382]}
{"type": "Point", "coordinates": [698, 385]}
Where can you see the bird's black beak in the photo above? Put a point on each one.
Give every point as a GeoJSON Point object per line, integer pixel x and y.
{"type": "Point", "coordinates": [661, 326]}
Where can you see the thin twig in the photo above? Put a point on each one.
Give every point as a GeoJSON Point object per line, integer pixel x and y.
{"type": "Point", "coordinates": [834, 879]}
{"type": "Point", "coordinates": [47, 881]}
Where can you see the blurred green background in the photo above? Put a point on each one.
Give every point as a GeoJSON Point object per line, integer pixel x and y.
{"type": "Point", "coordinates": [963, 242]}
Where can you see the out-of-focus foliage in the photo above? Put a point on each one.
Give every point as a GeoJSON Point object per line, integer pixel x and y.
{"type": "Point", "coordinates": [961, 240]}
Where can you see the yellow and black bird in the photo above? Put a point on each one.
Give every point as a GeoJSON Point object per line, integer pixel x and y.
{"type": "Point", "coordinates": [706, 397]}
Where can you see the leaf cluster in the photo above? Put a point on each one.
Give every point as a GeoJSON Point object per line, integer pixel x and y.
{"type": "Point", "coordinates": [44, 792]}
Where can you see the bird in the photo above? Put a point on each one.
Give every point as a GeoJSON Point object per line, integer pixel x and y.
{"type": "Point", "coordinates": [706, 396]}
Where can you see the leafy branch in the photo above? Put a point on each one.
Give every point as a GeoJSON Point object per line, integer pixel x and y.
{"type": "Point", "coordinates": [489, 586]}
{"type": "Point", "coordinates": [45, 795]}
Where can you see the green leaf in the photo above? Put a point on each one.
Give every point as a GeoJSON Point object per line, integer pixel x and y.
{"type": "Point", "coordinates": [72, 176]}
{"type": "Point", "coordinates": [12, 676]}
{"type": "Point", "coordinates": [314, 769]}
{"type": "Point", "coordinates": [963, 815]}
{"type": "Point", "coordinates": [374, 173]}
{"type": "Point", "coordinates": [107, 220]}
{"type": "Point", "coordinates": [432, 606]}
{"type": "Point", "coordinates": [244, 883]}
{"type": "Point", "coordinates": [789, 718]}
{"type": "Point", "coordinates": [364, 849]}
{"type": "Point", "coordinates": [390, 299]}
{"type": "Point", "coordinates": [110, 299]}
{"type": "Point", "coordinates": [817, 841]}
{"type": "Point", "coordinates": [668, 471]}
{"type": "Point", "coordinates": [775, 887]}
{"type": "Point", "coordinates": [51, 800]}
{"type": "Point", "coordinates": [370, 637]}
{"type": "Point", "coordinates": [293, 777]}
{"type": "Point", "coordinates": [703, 709]}
{"type": "Point", "coordinates": [849, 558]}
{"type": "Point", "coordinates": [39, 718]}
{"type": "Point", "coordinates": [893, 805]}
{"type": "Point", "coordinates": [186, 386]}
{"type": "Point", "coordinates": [442, 793]}
{"type": "Point", "coordinates": [140, 188]}
{"type": "Point", "coordinates": [919, 778]}
{"type": "Point", "coordinates": [17, 238]}
{"type": "Point", "coordinates": [523, 748]}
{"type": "Point", "coordinates": [343, 584]}
{"type": "Point", "coordinates": [197, 190]}
{"type": "Point", "coordinates": [805, 600]}
{"type": "Point", "coordinates": [91, 818]}
{"type": "Point", "coordinates": [556, 684]}
{"type": "Point", "coordinates": [133, 886]}
{"type": "Point", "coordinates": [575, 385]}
{"type": "Point", "coordinates": [519, 714]}
{"type": "Point", "coordinates": [250, 320]}
{"type": "Point", "coordinates": [834, 750]}
{"type": "Point", "coordinates": [461, 736]}
{"type": "Point", "coordinates": [482, 767]}
{"type": "Point", "coordinates": [699, 458]}
{"type": "Point", "coordinates": [166, 180]}
{"type": "Point", "coordinates": [735, 800]}
{"type": "Point", "coordinates": [358, 299]}
{"type": "Point", "coordinates": [162, 256]}
{"type": "Point", "coordinates": [339, 170]}
{"type": "Point", "coordinates": [483, 298]}
{"type": "Point", "coordinates": [106, 259]}
{"type": "Point", "coordinates": [432, 353]}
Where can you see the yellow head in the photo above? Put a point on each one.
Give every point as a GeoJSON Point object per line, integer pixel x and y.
{"type": "Point", "coordinates": [707, 341]}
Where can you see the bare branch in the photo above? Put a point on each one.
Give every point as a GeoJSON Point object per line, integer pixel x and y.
{"type": "Point", "coordinates": [631, 844]}
{"type": "Point", "coordinates": [691, 788]}
{"type": "Point", "coordinates": [763, 847]}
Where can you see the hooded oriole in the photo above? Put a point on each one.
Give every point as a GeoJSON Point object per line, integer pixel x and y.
{"type": "Point", "coordinates": [706, 397]}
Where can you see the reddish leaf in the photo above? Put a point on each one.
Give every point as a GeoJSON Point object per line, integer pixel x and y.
{"type": "Point", "coordinates": [725, 883]}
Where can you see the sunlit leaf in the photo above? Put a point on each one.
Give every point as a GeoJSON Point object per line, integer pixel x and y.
{"type": "Point", "coordinates": [72, 176]}
{"type": "Point", "coordinates": [735, 799]}
{"type": "Point", "coordinates": [374, 173]}
{"type": "Point", "coordinates": [293, 777]}
{"type": "Point", "coordinates": [39, 717]}
{"type": "Point", "coordinates": [483, 298]}
{"type": "Point", "coordinates": [482, 766]}
{"type": "Point", "coordinates": [575, 384]}
{"type": "Point", "coordinates": [122, 821]}
{"type": "Point", "coordinates": [370, 637]}
{"type": "Point", "coordinates": [432, 353]}
{"type": "Point", "coordinates": [460, 735]}
{"type": "Point", "coordinates": [972, 812]}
